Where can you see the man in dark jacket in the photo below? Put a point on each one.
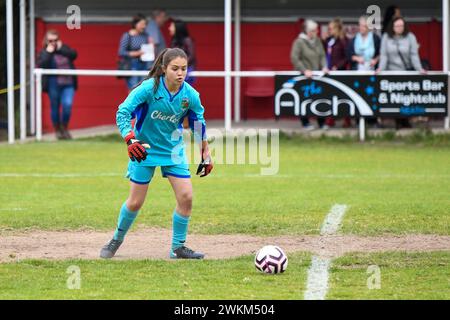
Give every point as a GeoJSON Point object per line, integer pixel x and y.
{"type": "Point", "coordinates": [60, 88]}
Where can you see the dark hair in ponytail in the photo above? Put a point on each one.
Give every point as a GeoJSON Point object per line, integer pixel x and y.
{"type": "Point", "coordinates": [157, 71]}
{"type": "Point", "coordinates": [163, 60]}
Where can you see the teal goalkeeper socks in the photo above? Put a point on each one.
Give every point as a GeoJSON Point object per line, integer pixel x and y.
{"type": "Point", "coordinates": [126, 218]}
{"type": "Point", "coordinates": [179, 230]}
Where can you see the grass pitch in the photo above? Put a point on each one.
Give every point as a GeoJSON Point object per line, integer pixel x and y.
{"type": "Point", "coordinates": [391, 188]}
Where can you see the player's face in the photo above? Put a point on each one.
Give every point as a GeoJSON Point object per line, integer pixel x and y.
{"type": "Point", "coordinates": [176, 71]}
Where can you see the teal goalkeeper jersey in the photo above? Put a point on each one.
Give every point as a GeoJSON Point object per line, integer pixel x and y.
{"type": "Point", "coordinates": [159, 120]}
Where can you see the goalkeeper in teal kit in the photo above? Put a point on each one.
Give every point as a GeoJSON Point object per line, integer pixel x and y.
{"type": "Point", "coordinates": [159, 105]}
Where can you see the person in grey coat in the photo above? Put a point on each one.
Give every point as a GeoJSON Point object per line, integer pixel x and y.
{"type": "Point", "coordinates": [399, 49]}
{"type": "Point", "coordinates": [399, 52]}
{"type": "Point", "coordinates": [308, 55]}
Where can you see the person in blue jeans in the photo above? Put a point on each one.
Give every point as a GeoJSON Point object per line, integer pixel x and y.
{"type": "Point", "coordinates": [130, 48]}
{"type": "Point", "coordinates": [60, 89]}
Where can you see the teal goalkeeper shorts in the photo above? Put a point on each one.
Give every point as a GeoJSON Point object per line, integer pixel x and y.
{"type": "Point", "coordinates": [144, 174]}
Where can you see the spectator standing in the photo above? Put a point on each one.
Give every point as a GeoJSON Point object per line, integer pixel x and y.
{"type": "Point", "coordinates": [308, 55]}
{"type": "Point", "coordinates": [399, 52]}
{"type": "Point", "coordinates": [131, 49]}
{"type": "Point", "coordinates": [336, 46]}
{"type": "Point", "coordinates": [336, 52]}
{"type": "Point", "coordinates": [60, 89]}
{"type": "Point", "coordinates": [391, 12]}
{"type": "Point", "coordinates": [181, 39]}
{"type": "Point", "coordinates": [364, 53]}
{"type": "Point", "coordinates": [364, 48]}
{"type": "Point", "coordinates": [153, 29]}
{"type": "Point", "coordinates": [399, 48]}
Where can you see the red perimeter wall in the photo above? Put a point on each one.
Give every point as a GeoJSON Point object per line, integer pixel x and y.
{"type": "Point", "coordinates": [264, 46]}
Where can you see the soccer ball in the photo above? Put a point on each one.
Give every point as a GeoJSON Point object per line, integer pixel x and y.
{"type": "Point", "coordinates": [271, 259]}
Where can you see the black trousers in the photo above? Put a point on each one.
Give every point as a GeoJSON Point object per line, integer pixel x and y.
{"type": "Point", "coordinates": [305, 121]}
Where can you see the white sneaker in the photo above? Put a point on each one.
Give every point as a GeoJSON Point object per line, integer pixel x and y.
{"type": "Point", "coordinates": [325, 127]}
{"type": "Point", "coordinates": [309, 127]}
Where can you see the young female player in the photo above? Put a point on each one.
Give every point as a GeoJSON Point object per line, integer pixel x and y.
{"type": "Point", "coordinates": [160, 103]}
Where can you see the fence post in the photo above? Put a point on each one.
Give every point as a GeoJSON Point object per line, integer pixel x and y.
{"type": "Point", "coordinates": [10, 69]}
{"type": "Point", "coordinates": [38, 104]}
{"type": "Point", "coordinates": [362, 129]}
{"type": "Point", "coordinates": [446, 119]}
{"type": "Point", "coordinates": [23, 74]}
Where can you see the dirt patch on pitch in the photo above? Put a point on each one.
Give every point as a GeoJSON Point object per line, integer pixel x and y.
{"type": "Point", "coordinates": [154, 243]}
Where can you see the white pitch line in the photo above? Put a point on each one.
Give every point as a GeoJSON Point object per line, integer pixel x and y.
{"type": "Point", "coordinates": [224, 175]}
{"type": "Point", "coordinates": [317, 286]}
{"type": "Point", "coordinates": [58, 175]}
{"type": "Point", "coordinates": [333, 220]}
{"type": "Point", "coordinates": [317, 283]}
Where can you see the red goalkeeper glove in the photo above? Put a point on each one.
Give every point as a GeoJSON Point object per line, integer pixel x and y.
{"type": "Point", "coordinates": [136, 148]}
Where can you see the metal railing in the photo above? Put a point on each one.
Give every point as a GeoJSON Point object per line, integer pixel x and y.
{"type": "Point", "coordinates": [208, 74]}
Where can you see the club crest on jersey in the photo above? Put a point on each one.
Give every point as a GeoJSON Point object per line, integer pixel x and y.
{"type": "Point", "coordinates": [185, 103]}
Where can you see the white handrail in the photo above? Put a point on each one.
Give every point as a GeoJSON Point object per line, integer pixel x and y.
{"type": "Point", "coordinates": [217, 74]}
{"type": "Point", "coordinates": [209, 74]}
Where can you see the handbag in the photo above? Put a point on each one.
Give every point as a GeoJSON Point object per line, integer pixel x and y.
{"type": "Point", "coordinates": [407, 66]}
{"type": "Point", "coordinates": [124, 63]}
